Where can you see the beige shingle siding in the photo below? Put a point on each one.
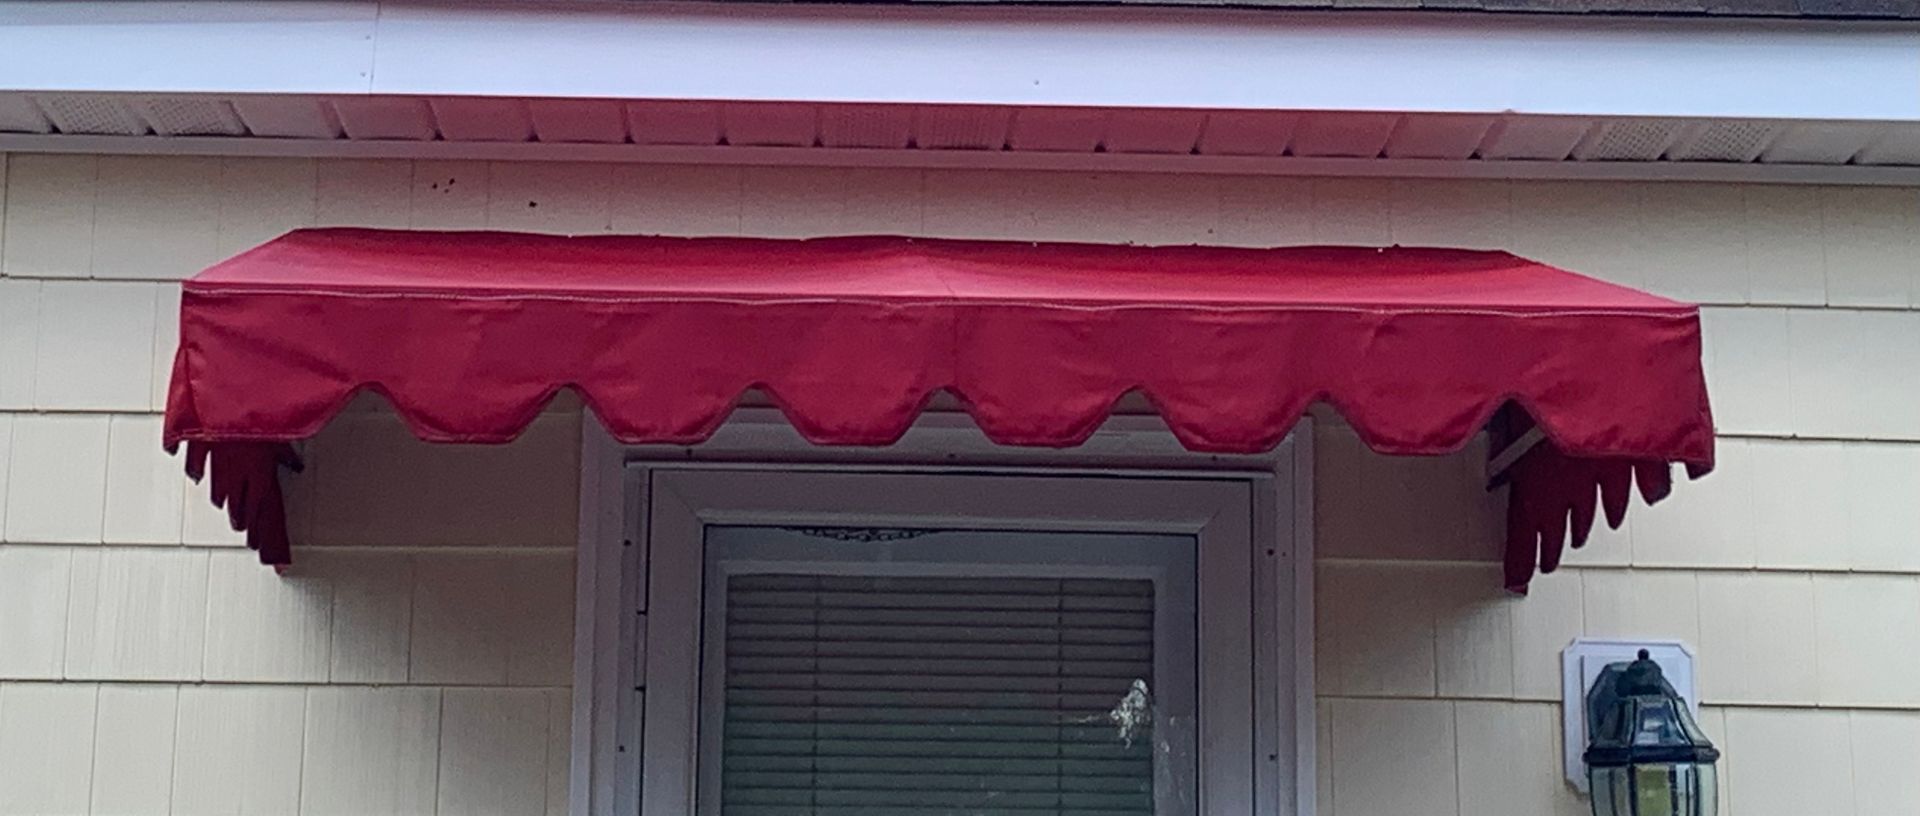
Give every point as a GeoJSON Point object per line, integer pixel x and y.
{"type": "Point", "coordinates": [433, 677]}
{"type": "Point", "coordinates": [178, 672]}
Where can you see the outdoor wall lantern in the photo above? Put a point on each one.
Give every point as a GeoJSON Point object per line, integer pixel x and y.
{"type": "Point", "coordinates": [1645, 755]}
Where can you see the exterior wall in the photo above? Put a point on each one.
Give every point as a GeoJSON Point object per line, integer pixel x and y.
{"type": "Point", "coordinates": [416, 660]}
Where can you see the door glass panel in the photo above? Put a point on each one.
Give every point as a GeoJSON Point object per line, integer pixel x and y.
{"type": "Point", "coordinates": [976, 673]}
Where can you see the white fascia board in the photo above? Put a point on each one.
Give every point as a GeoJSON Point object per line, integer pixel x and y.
{"type": "Point", "coordinates": [1106, 57]}
{"type": "Point", "coordinates": [292, 47]}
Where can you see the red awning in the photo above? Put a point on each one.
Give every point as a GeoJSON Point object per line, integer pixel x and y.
{"type": "Point", "coordinates": [468, 335]}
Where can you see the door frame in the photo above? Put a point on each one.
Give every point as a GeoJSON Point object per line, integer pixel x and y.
{"type": "Point", "coordinates": [620, 501]}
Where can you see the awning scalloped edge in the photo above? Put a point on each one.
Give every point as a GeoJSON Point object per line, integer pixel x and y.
{"type": "Point", "coordinates": [1553, 501]}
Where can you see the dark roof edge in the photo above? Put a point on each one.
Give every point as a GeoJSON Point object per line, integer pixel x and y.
{"type": "Point", "coordinates": [1827, 10]}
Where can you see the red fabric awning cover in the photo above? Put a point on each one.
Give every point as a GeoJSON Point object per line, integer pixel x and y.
{"type": "Point", "coordinates": [469, 335]}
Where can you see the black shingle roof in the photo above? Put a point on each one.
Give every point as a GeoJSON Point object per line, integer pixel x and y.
{"type": "Point", "coordinates": [1802, 9]}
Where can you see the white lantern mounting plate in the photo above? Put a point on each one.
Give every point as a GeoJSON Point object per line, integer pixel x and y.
{"type": "Point", "coordinates": [1580, 665]}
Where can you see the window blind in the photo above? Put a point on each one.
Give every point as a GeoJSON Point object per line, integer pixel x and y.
{"type": "Point", "coordinates": [866, 695]}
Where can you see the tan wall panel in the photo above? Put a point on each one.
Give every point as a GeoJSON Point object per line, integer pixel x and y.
{"type": "Point", "coordinates": [156, 217]}
{"type": "Point", "coordinates": [95, 346]}
{"type": "Point", "coordinates": [1426, 508]}
{"type": "Point", "coordinates": [1749, 623]}
{"type": "Point", "coordinates": [374, 484]}
{"type": "Point", "coordinates": [1394, 757]}
{"type": "Point", "coordinates": [371, 616]}
{"type": "Point", "coordinates": [49, 218]}
{"type": "Point", "coordinates": [238, 750]}
{"type": "Point", "coordinates": [449, 195]}
{"type": "Point", "coordinates": [19, 341]}
{"type": "Point", "coordinates": [461, 617]}
{"type": "Point", "coordinates": [56, 478]}
{"type": "Point", "coordinates": [1870, 394]}
{"type": "Point", "coordinates": [493, 752]}
{"type": "Point", "coordinates": [137, 614]}
{"type": "Point", "coordinates": [145, 494]}
{"type": "Point", "coordinates": [1770, 504]}
{"type": "Point", "coordinates": [362, 617]}
{"type": "Point", "coordinates": [683, 200]}
{"type": "Point", "coordinates": [263, 627]}
{"type": "Point", "coordinates": [363, 193]}
{"type": "Point", "coordinates": [564, 200]}
{"type": "Point", "coordinates": [1884, 745]}
{"type": "Point", "coordinates": [262, 198]}
{"type": "Point", "coordinates": [133, 748]}
{"type": "Point", "coordinates": [1783, 763]}
{"type": "Point", "coordinates": [46, 748]}
{"type": "Point", "coordinates": [1503, 759]}
{"type": "Point", "coordinates": [1866, 627]}
{"type": "Point", "coordinates": [204, 525]}
{"type": "Point", "coordinates": [1509, 760]}
{"type": "Point", "coordinates": [33, 611]}
{"type": "Point", "coordinates": [77, 216]}
{"type": "Point", "coordinates": [560, 749]}
{"type": "Point", "coordinates": [1776, 638]}
{"type": "Point", "coordinates": [1869, 245]}
{"type": "Point", "coordinates": [371, 750]}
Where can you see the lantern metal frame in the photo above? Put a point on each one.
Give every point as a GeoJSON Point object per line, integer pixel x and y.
{"type": "Point", "coordinates": [1646, 755]}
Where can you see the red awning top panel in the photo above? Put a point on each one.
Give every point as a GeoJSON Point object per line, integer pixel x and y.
{"type": "Point", "coordinates": [891, 269]}
{"type": "Point", "coordinates": [468, 335]}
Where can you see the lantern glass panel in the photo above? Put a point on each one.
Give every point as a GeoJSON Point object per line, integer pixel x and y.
{"type": "Point", "coordinates": [1612, 792]}
{"type": "Point", "coordinates": [1655, 789]}
{"type": "Point", "coordinates": [1707, 788]}
{"type": "Point", "coordinates": [1659, 724]}
{"type": "Point", "coordinates": [1659, 791]}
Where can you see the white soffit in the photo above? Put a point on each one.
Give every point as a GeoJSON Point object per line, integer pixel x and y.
{"type": "Point", "coordinates": [1106, 57]}
{"type": "Point", "coordinates": [971, 136]}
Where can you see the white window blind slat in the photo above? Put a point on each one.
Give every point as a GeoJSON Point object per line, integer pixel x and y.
{"type": "Point", "coordinates": [808, 627]}
{"type": "Point", "coordinates": [1043, 620]}
{"type": "Point", "coordinates": [935, 646]}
